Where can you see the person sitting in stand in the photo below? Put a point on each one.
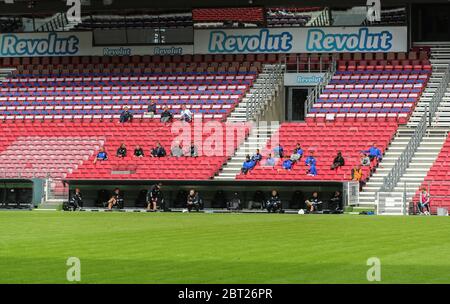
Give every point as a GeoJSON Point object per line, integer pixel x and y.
{"type": "Point", "coordinates": [138, 151]}
{"type": "Point", "coordinates": [357, 176]}
{"type": "Point", "coordinates": [248, 165]}
{"type": "Point", "coordinates": [186, 114]}
{"type": "Point", "coordinates": [193, 151]}
{"type": "Point", "coordinates": [424, 202]}
{"type": "Point", "coordinates": [151, 110]}
{"type": "Point", "coordinates": [338, 161]}
{"type": "Point", "coordinates": [311, 163]}
{"type": "Point", "coordinates": [101, 155]}
{"type": "Point", "coordinates": [158, 151]}
{"type": "Point", "coordinates": [313, 202]}
{"type": "Point", "coordinates": [122, 151]}
{"type": "Point", "coordinates": [193, 201]}
{"type": "Point", "coordinates": [287, 164]}
{"type": "Point", "coordinates": [297, 154]}
{"type": "Point", "coordinates": [177, 151]}
{"type": "Point", "coordinates": [257, 156]}
{"type": "Point", "coordinates": [126, 115]}
{"type": "Point", "coordinates": [166, 115]}
{"type": "Point", "coordinates": [278, 151]}
{"type": "Point", "coordinates": [270, 161]}
{"type": "Point", "coordinates": [365, 160]}
{"type": "Point", "coordinates": [274, 202]}
{"type": "Point", "coordinates": [375, 154]}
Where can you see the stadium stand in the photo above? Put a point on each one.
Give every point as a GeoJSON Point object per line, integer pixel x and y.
{"type": "Point", "coordinates": [10, 24]}
{"type": "Point", "coordinates": [374, 88]}
{"type": "Point", "coordinates": [391, 16]}
{"type": "Point", "coordinates": [98, 88]}
{"type": "Point", "coordinates": [437, 181]}
{"type": "Point", "coordinates": [93, 22]}
{"type": "Point", "coordinates": [228, 17]}
{"type": "Point", "coordinates": [325, 140]}
{"type": "Point", "coordinates": [67, 149]}
{"type": "Point", "coordinates": [290, 16]}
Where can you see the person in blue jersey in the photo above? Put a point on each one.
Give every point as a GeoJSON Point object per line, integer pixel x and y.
{"type": "Point", "coordinates": [270, 161]}
{"type": "Point", "coordinates": [278, 151]}
{"type": "Point", "coordinates": [311, 163]}
{"type": "Point", "coordinates": [287, 164]}
{"type": "Point", "coordinates": [248, 164]}
{"type": "Point", "coordinates": [374, 153]}
{"type": "Point", "coordinates": [257, 156]}
{"type": "Point", "coordinates": [101, 155]}
{"type": "Point", "coordinates": [297, 154]}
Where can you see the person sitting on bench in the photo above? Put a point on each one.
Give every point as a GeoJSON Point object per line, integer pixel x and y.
{"type": "Point", "coordinates": [76, 201]}
{"type": "Point", "coordinates": [154, 197]}
{"type": "Point", "coordinates": [115, 199]}
{"type": "Point", "coordinates": [313, 202]}
{"type": "Point", "coordinates": [274, 202]}
{"type": "Point", "coordinates": [193, 201]}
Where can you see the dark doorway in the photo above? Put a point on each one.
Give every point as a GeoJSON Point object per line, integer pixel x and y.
{"type": "Point", "coordinates": [430, 22]}
{"type": "Point", "coordinates": [295, 103]}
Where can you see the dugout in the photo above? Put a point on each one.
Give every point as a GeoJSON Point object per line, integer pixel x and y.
{"type": "Point", "coordinates": [214, 194]}
{"type": "Point", "coordinates": [17, 193]}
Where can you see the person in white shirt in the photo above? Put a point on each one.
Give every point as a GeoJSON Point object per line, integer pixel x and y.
{"type": "Point", "coordinates": [186, 114]}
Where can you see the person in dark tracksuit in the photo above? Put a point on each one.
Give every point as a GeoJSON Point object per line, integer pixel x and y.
{"type": "Point", "coordinates": [274, 202]}
{"type": "Point", "coordinates": [154, 197]}
{"type": "Point", "coordinates": [76, 201]}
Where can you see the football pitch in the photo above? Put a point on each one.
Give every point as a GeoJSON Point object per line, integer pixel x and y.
{"type": "Point", "coordinates": [221, 248]}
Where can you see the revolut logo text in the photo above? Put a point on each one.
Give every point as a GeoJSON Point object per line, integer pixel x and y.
{"type": "Point", "coordinates": [13, 45]}
{"type": "Point", "coordinates": [221, 42]}
{"type": "Point", "coordinates": [319, 41]}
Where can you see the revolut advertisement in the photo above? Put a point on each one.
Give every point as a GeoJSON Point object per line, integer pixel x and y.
{"type": "Point", "coordinates": [76, 44]}
{"type": "Point", "coordinates": [301, 40]}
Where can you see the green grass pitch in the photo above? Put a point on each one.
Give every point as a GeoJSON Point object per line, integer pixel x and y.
{"type": "Point", "coordinates": [221, 248]}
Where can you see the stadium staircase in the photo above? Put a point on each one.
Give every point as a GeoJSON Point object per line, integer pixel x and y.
{"type": "Point", "coordinates": [257, 139]}
{"type": "Point", "coordinates": [430, 145]}
{"type": "Point", "coordinates": [260, 98]}
{"type": "Point", "coordinates": [57, 23]}
{"type": "Point", "coordinates": [261, 95]}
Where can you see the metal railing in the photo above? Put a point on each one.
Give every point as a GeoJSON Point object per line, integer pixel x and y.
{"type": "Point", "coordinates": [318, 89]}
{"type": "Point", "coordinates": [403, 161]}
{"type": "Point", "coordinates": [323, 19]}
{"type": "Point", "coordinates": [58, 22]}
{"type": "Point", "coordinates": [263, 94]}
{"type": "Point", "coordinates": [400, 166]}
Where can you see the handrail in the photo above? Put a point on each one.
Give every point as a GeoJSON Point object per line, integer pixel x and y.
{"type": "Point", "coordinates": [315, 93]}
{"type": "Point", "coordinates": [400, 166]}
{"type": "Point", "coordinates": [259, 97]}
{"type": "Point", "coordinates": [58, 21]}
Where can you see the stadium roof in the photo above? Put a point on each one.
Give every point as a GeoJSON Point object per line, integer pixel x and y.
{"type": "Point", "coordinates": [53, 6]}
